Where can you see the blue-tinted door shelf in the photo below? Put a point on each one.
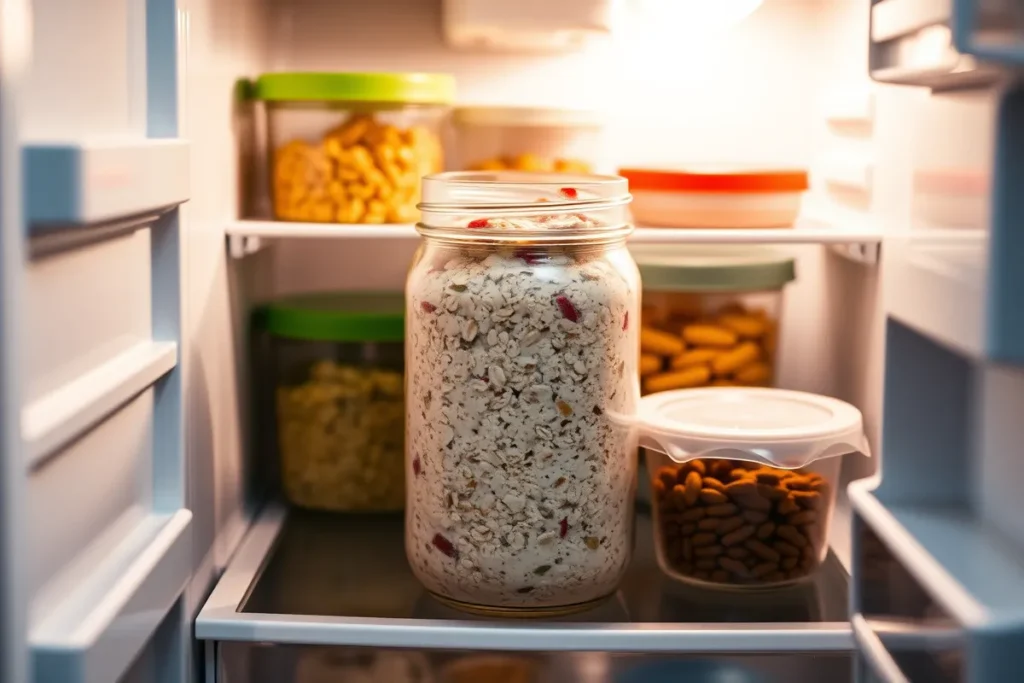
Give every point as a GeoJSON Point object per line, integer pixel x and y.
{"type": "Point", "coordinates": [953, 265]}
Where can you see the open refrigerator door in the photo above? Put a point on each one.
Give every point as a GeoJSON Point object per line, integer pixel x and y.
{"type": "Point", "coordinates": [178, 504]}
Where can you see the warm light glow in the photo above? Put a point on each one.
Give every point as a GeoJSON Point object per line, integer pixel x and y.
{"type": "Point", "coordinates": [694, 14]}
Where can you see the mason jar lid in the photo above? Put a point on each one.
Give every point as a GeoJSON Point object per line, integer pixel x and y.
{"type": "Point", "coordinates": [522, 208]}
{"type": "Point", "coordinates": [689, 268]}
{"type": "Point", "coordinates": [336, 316]}
{"type": "Point", "coordinates": [401, 88]}
{"type": "Point", "coordinates": [777, 427]}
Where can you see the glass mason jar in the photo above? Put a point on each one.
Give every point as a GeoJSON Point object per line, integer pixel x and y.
{"type": "Point", "coordinates": [521, 349]}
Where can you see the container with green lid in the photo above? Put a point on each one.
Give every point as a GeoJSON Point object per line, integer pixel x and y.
{"type": "Point", "coordinates": [352, 147]}
{"type": "Point", "coordinates": [710, 315]}
{"type": "Point", "coordinates": [337, 369]}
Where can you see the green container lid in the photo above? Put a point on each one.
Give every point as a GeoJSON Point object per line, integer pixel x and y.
{"type": "Point", "coordinates": [408, 88]}
{"type": "Point", "coordinates": [686, 268]}
{"type": "Point", "coordinates": [340, 317]}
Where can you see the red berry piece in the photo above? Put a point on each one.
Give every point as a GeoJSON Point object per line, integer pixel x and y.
{"type": "Point", "coordinates": [568, 310]}
{"type": "Point", "coordinates": [427, 306]}
{"type": "Point", "coordinates": [563, 527]}
{"type": "Point", "coordinates": [445, 546]}
{"type": "Point", "coordinates": [569, 192]}
{"type": "Point", "coordinates": [479, 223]}
{"type": "Point", "coordinates": [530, 258]}
{"type": "Point", "coordinates": [625, 321]}
{"type": "Point", "coordinates": [416, 468]}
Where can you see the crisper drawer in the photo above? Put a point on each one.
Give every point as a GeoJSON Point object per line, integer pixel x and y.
{"type": "Point", "coordinates": [264, 663]}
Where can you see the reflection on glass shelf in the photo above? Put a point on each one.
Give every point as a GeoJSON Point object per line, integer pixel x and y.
{"type": "Point", "coordinates": [355, 566]}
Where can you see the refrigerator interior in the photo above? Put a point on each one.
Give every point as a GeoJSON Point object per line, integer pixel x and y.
{"type": "Point", "coordinates": [786, 86]}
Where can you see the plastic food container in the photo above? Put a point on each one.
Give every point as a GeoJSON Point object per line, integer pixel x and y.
{"type": "Point", "coordinates": [521, 351]}
{"type": "Point", "coordinates": [352, 147]}
{"type": "Point", "coordinates": [745, 481]}
{"type": "Point", "coordinates": [710, 315]}
{"type": "Point", "coordinates": [715, 198]}
{"type": "Point", "coordinates": [338, 372]}
{"type": "Point", "coordinates": [525, 139]}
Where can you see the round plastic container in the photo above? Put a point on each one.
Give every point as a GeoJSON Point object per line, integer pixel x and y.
{"type": "Point", "coordinates": [715, 198]}
{"type": "Point", "coordinates": [521, 350]}
{"type": "Point", "coordinates": [525, 139]}
{"type": "Point", "coordinates": [744, 481]}
{"type": "Point", "coordinates": [338, 363]}
{"type": "Point", "coordinates": [352, 147]}
{"type": "Point", "coordinates": [710, 315]}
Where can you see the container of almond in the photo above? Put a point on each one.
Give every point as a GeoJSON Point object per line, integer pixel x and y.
{"type": "Point", "coordinates": [744, 481]}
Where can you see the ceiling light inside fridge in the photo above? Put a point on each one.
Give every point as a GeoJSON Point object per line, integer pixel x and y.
{"type": "Point", "coordinates": [526, 25]}
{"type": "Point", "coordinates": [687, 15]}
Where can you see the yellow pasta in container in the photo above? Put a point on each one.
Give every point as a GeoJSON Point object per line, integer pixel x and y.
{"type": "Point", "coordinates": [352, 147]}
{"type": "Point", "coordinates": [337, 365]}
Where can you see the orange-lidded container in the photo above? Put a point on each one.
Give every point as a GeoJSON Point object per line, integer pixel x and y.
{"type": "Point", "coordinates": [715, 197]}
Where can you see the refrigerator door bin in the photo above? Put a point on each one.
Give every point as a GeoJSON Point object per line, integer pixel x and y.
{"type": "Point", "coordinates": [944, 44]}
{"type": "Point", "coordinates": [937, 596]}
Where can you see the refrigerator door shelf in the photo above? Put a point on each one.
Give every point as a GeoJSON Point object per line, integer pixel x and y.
{"type": "Point", "coordinates": [935, 589]}
{"type": "Point", "coordinates": [944, 44]}
{"type": "Point", "coordinates": [952, 266]}
{"type": "Point", "coordinates": [80, 183]}
{"type": "Point", "coordinates": [301, 578]}
{"type": "Point", "coordinates": [109, 616]}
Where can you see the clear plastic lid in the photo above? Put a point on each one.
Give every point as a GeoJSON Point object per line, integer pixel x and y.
{"type": "Point", "coordinates": [786, 429]}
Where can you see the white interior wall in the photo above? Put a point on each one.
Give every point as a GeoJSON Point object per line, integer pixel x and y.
{"type": "Point", "coordinates": [221, 42]}
{"type": "Point", "coordinates": [670, 94]}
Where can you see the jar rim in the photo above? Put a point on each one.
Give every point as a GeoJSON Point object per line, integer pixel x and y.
{"type": "Point", "coordinates": [514, 206]}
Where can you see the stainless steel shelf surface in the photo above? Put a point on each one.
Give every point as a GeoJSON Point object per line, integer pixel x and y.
{"type": "Point", "coordinates": [317, 579]}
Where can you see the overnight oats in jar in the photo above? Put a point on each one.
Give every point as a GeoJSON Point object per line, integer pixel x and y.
{"type": "Point", "coordinates": [521, 348]}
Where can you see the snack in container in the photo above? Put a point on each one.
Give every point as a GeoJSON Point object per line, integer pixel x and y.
{"type": "Point", "coordinates": [744, 481]}
{"type": "Point", "coordinates": [527, 139]}
{"type": "Point", "coordinates": [352, 147]}
{"type": "Point", "coordinates": [716, 197]}
{"type": "Point", "coordinates": [710, 315]}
